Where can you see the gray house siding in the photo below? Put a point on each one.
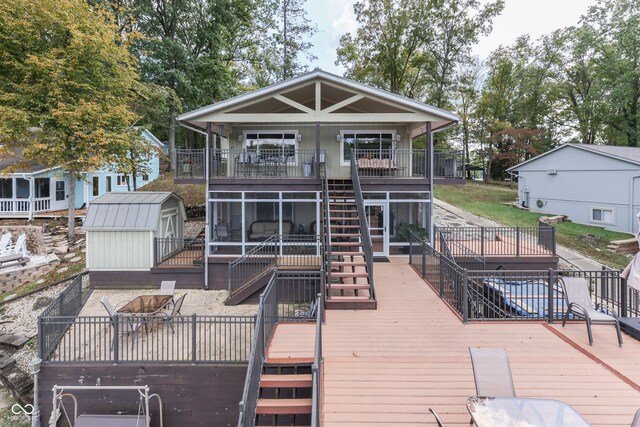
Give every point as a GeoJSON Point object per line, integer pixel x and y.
{"type": "Point", "coordinates": [571, 181]}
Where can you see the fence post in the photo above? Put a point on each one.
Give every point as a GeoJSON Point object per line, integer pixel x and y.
{"type": "Point", "coordinates": [116, 348]}
{"type": "Point", "coordinates": [40, 338]}
{"type": "Point", "coordinates": [410, 249]}
{"type": "Point", "coordinates": [517, 241]}
{"type": "Point", "coordinates": [550, 296]}
{"type": "Point", "coordinates": [482, 241]}
{"type": "Point", "coordinates": [423, 260]}
{"type": "Point", "coordinates": [441, 282]}
{"type": "Point", "coordinates": [465, 297]}
{"type": "Point", "coordinates": [623, 296]}
{"type": "Point", "coordinates": [155, 251]}
{"type": "Point", "coordinates": [553, 239]}
{"type": "Point", "coordinates": [193, 338]}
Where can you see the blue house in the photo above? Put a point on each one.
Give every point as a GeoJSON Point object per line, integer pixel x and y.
{"type": "Point", "coordinates": [36, 189]}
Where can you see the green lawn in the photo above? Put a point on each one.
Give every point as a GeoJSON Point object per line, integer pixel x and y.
{"type": "Point", "coordinates": [489, 201]}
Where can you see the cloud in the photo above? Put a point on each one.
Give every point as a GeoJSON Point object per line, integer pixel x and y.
{"type": "Point", "coordinates": [346, 22]}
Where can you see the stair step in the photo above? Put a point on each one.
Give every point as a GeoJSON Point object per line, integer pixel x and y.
{"type": "Point", "coordinates": [348, 264]}
{"type": "Point", "coordinates": [348, 275]}
{"type": "Point", "coordinates": [347, 253]}
{"type": "Point", "coordinates": [345, 234]}
{"type": "Point", "coordinates": [285, 381]}
{"type": "Point", "coordinates": [342, 203]}
{"type": "Point", "coordinates": [349, 286]}
{"type": "Point", "coordinates": [346, 244]}
{"type": "Point", "coordinates": [283, 406]}
{"type": "Point", "coordinates": [350, 303]}
{"type": "Point", "coordinates": [343, 226]}
{"type": "Point", "coordinates": [344, 210]}
{"type": "Point", "coordinates": [342, 218]}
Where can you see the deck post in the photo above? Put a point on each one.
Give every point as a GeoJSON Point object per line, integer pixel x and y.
{"type": "Point", "coordinates": [550, 295]}
{"type": "Point", "coordinates": [465, 296]}
{"type": "Point", "coordinates": [193, 339]}
{"type": "Point", "coordinates": [482, 241]}
{"type": "Point", "coordinates": [317, 156]}
{"type": "Point", "coordinates": [116, 349]}
{"type": "Point", "coordinates": [623, 296]}
{"type": "Point", "coordinates": [553, 239]}
{"type": "Point", "coordinates": [40, 338]}
{"type": "Point", "coordinates": [423, 259]}
{"type": "Point", "coordinates": [441, 284]}
{"type": "Point", "coordinates": [429, 169]}
{"type": "Point", "coordinates": [517, 241]}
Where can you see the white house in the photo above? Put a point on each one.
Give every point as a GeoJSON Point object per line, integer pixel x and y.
{"type": "Point", "coordinates": [37, 189]}
{"type": "Point", "coordinates": [591, 184]}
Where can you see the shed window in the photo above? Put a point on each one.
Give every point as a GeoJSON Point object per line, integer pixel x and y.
{"type": "Point", "coordinates": [602, 215]}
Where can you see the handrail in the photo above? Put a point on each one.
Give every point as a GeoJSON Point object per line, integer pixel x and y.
{"type": "Point", "coordinates": [327, 235]}
{"type": "Point", "coordinates": [316, 368]}
{"type": "Point", "coordinates": [364, 225]}
{"type": "Point", "coordinates": [241, 270]}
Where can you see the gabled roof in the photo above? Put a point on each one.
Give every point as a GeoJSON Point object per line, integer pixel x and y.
{"type": "Point", "coordinates": [353, 96]}
{"type": "Point", "coordinates": [625, 154]}
{"type": "Point", "coordinates": [136, 211]}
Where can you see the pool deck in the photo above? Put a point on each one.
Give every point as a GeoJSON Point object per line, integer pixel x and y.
{"type": "Point", "coordinates": [388, 366]}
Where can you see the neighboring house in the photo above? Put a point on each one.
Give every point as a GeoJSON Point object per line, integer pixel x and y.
{"type": "Point", "coordinates": [591, 184]}
{"type": "Point", "coordinates": [37, 189]}
{"type": "Point", "coordinates": [270, 149]}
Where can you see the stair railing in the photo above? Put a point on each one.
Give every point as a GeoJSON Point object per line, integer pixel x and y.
{"type": "Point", "coordinates": [256, 261]}
{"type": "Point", "coordinates": [326, 218]}
{"type": "Point", "coordinates": [364, 224]}
{"type": "Point", "coordinates": [316, 368]}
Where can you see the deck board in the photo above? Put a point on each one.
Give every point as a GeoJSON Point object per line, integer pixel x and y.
{"type": "Point", "coordinates": [388, 366]}
{"type": "Point", "coordinates": [292, 341]}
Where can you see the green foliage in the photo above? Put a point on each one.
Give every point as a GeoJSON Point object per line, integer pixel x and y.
{"type": "Point", "coordinates": [404, 230]}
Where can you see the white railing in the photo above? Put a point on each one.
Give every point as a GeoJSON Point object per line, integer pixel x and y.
{"type": "Point", "coordinates": [23, 206]}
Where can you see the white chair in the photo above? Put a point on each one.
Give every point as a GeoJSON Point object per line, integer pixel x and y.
{"type": "Point", "coordinates": [21, 246]}
{"type": "Point", "coordinates": [167, 287]}
{"type": "Point", "coordinates": [5, 244]}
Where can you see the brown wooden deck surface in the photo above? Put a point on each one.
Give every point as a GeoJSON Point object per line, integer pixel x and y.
{"type": "Point", "coordinates": [388, 366]}
{"type": "Point", "coordinates": [293, 342]}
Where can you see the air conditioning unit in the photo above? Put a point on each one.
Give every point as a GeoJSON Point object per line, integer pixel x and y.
{"type": "Point", "coordinates": [552, 171]}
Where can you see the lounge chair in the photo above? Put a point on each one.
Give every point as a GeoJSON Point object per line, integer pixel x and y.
{"type": "Point", "coordinates": [436, 417]}
{"type": "Point", "coordinates": [126, 324]}
{"type": "Point", "coordinates": [167, 314]}
{"type": "Point", "coordinates": [636, 419]}
{"type": "Point", "coordinates": [579, 303]}
{"type": "Point", "coordinates": [17, 254]}
{"type": "Point", "coordinates": [5, 244]}
{"type": "Point", "coordinates": [167, 287]}
{"type": "Point", "coordinates": [492, 372]}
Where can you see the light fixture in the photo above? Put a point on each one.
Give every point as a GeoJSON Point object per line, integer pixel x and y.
{"type": "Point", "coordinates": [338, 137]}
{"type": "Point", "coordinates": [240, 138]}
{"type": "Point", "coordinates": [299, 138]}
{"type": "Point", "coordinates": [398, 138]}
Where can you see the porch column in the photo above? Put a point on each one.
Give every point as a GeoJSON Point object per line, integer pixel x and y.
{"type": "Point", "coordinates": [207, 225]}
{"type": "Point", "coordinates": [429, 166]}
{"type": "Point", "coordinates": [32, 188]}
{"type": "Point", "coordinates": [14, 197]}
{"type": "Point", "coordinates": [317, 156]}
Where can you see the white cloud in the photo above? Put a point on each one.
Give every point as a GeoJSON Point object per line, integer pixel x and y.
{"type": "Point", "coordinates": [346, 22]}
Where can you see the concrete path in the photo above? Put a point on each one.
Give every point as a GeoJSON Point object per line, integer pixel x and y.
{"type": "Point", "coordinates": [446, 215]}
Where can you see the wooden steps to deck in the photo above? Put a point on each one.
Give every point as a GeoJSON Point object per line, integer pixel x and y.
{"type": "Point", "coordinates": [252, 286]}
{"type": "Point", "coordinates": [348, 269]}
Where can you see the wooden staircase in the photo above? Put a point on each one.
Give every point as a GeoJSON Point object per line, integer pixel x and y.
{"type": "Point", "coordinates": [350, 288]}
{"type": "Point", "coordinates": [285, 393]}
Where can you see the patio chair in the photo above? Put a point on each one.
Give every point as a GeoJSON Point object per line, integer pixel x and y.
{"type": "Point", "coordinates": [636, 419]}
{"type": "Point", "coordinates": [18, 253]}
{"type": "Point", "coordinates": [492, 372]}
{"type": "Point", "coordinates": [126, 324]}
{"type": "Point", "coordinates": [579, 303]}
{"type": "Point", "coordinates": [5, 243]}
{"type": "Point", "coordinates": [221, 232]}
{"type": "Point", "coordinates": [167, 287]}
{"type": "Point", "coordinates": [435, 415]}
{"type": "Point", "coordinates": [167, 314]}
{"type": "Point", "coordinates": [21, 246]}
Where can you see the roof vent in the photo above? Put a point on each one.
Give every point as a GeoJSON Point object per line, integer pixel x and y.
{"type": "Point", "coordinates": [552, 171]}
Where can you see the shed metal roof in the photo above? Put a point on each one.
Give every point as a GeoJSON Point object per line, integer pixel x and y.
{"type": "Point", "coordinates": [138, 211]}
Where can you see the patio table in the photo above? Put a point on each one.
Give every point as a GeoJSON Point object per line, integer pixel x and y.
{"type": "Point", "coordinates": [516, 412]}
{"type": "Point", "coordinates": [145, 304]}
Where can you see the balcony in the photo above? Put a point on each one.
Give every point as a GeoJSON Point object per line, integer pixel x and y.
{"type": "Point", "coordinates": [301, 164]}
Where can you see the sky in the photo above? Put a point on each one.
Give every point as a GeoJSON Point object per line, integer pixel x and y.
{"type": "Point", "coordinates": [535, 17]}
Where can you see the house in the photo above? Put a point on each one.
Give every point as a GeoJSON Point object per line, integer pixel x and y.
{"type": "Point", "coordinates": [37, 189]}
{"type": "Point", "coordinates": [591, 184]}
{"type": "Point", "coordinates": [270, 151]}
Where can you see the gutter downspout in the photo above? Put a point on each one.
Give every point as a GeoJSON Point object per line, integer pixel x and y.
{"type": "Point", "coordinates": [632, 203]}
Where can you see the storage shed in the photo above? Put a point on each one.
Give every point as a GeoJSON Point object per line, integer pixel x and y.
{"type": "Point", "coordinates": [122, 229]}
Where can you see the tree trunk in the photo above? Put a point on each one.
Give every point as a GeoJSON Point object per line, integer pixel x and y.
{"type": "Point", "coordinates": [134, 178]}
{"type": "Point", "coordinates": [71, 234]}
{"type": "Point", "coordinates": [172, 136]}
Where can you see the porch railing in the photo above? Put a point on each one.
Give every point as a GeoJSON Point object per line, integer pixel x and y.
{"type": "Point", "coordinates": [173, 252]}
{"type": "Point", "coordinates": [190, 163]}
{"type": "Point", "coordinates": [449, 164]}
{"type": "Point", "coordinates": [487, 241]}
{"type": "Point", "coordinates": [265, 163]}
{"type": "Point", "coordinates": [66, 306]}
{"type": "Point", "coordinates": [258, 260]}
{"type": "Point", "coordinates": [24, 205]}
{"type": "Point", "coordinates": [391, 163]}
{"type": "Point", "coordinates": [147, 338]}
{"type": "Point", "coordinates": [367, 247]}
{"type": "Point", "coordinates": [479, 295]}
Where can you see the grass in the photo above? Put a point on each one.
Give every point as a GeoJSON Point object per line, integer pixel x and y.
{"type": "Point", "coordinates": [192, 194]}
{"type": "Point", "coordinates": [489, 201]}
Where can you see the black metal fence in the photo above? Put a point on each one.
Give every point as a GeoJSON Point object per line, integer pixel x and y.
{"type": "Point", "coordinates": [67, 305]}
{"type": "Point", "coordinates": [190, 163]}
{"type": "Point", "coordinates": [449, 164]}
{"type": "Point", "coordinates": [174, 252]}
{"type": "Point", "coordinates": [479, 295]}
{"type": "Point", "coordinates": [486, 241]}
{"type": "Point", "coordinates": [265, 163]}
{"type": "Point", "coordinates": [148, 338]}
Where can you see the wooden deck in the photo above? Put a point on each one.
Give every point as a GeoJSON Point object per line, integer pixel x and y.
{"type": "Point", "coordinates": [292, 343]}
{"type": "Point", "coordinates": [388, 366]}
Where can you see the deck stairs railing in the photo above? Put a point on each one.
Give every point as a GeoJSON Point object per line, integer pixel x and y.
{"type": "Point", "coordinates": [348, 252]}
{"type": "Point", "coordinates": [279, 392]}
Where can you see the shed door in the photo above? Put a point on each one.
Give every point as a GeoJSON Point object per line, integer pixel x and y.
{"type": "Point", "coordinates": [169, 226]}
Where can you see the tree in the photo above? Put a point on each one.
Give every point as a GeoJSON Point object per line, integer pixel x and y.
{"type": "Point", "coordinates": [413, 47]}
{"type": "Point", "coordinates": [467, 94]}
{"type": "Point", "coordinates": [75, 85]}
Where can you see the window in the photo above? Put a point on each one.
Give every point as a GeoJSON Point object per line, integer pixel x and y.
{"type": "Point", "coordinates": [60, 191]}
{"type": "Point", "coordinates": [95, 183]}
{"type": "Point", "coordinates": [6, 188]}
{"type": "Point", "coordinates": [145, 177]}
{"type": "Point", "coordinates": [267, 145]}
{"type": "Point", "coordinates": [22, 188]}
{"type": "Point", "coordinates": [602, 215]}
{"type": "Point", "coordinates": [42, 188]}
{"type": "Point", "coordinates": [122, 180]}
{"type": "Point", "coordinates": [370, 144]}
{"type": "Point", "coordinates": [108, 184]}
